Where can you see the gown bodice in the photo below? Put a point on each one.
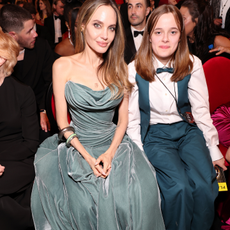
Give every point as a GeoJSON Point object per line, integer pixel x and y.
{"type": "Point", "coordinates": [91, 112]}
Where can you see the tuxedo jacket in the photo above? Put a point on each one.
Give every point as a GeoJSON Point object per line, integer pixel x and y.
{"type": "Point", "coordinates": [36, 69]}
{"type": "Point", "coordinates": [130, 49]}
{"type": "Point", "coordinates": [43, 32]}
{"type": "Point", "coordinates": [49, 23]}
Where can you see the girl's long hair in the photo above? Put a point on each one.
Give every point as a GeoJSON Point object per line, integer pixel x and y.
{"type": "Point", "coordinates": [113, 68]}
{"type": "Point", "coordinates": [180, 60]}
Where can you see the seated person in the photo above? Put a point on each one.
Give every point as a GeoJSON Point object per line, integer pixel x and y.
{"type": "Point", "coordinates": [19, 139]}
{"type": "Point", "coordinates": [98, 179]}
{"type": "Point", "coordinates": [67, 46]}
{"type": "Point", "coordinates": [44, 10]}
{"type": "Point", "coordinates": [203, 36]}
{"type": "Point", "coordinates": [169, 90]}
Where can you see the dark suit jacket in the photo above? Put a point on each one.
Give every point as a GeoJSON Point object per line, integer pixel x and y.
{"type": "Point", "coordinates": [130, 49]}
{"type": "Point", "coordinates": [36, 69]}
{"type": "Point", "coordinates": [43, 32]}
{"type": "Point", "coordinates": [49, 23]}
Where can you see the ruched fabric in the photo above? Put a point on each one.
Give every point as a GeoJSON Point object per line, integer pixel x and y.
{"type": "Point", "coordinates": [67, 195]}
{"type": "Point", "coordinates": [221, 120]}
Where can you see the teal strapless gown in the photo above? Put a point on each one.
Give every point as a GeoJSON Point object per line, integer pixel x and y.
{"type": "Point", "coordinates": [66, 193]}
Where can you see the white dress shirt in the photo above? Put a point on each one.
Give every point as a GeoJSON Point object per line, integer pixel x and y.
{"type": "Point", "coordinates": [138, 39]}
{"type": "Point", "coordinates": [57, 29]}
{"type": "Point", "coordinates": [163, 106]}
{"type": "Point", "coordinates": [224, 10]}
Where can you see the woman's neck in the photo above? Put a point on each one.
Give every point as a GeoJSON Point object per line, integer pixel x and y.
{"type": "Point", "coordinates": [91, 57]}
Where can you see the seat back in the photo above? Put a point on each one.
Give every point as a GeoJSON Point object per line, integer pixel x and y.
{"type": "Point", "coordinates": [217, 73]}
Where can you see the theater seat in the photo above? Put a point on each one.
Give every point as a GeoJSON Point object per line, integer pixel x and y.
{"type": "Point", "coordinates": [50, 109]}
{"type": "Point", "coordinates": [217, 73]}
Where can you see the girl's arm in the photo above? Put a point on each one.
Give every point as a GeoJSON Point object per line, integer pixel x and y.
{"type": "Point", "coordinates": [198, 98]}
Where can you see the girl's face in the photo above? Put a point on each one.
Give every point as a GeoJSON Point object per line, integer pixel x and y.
{"type": "Point", "coordinates": [42, 6]}
{"type": "Point", "coordinates": [165, 38]}
{"type": "Point", "coordinates": [2, 61]}
{"type": "Point", "coordinates": [99, 33]}
{"type": "Point", "coordinates": [189, 25]}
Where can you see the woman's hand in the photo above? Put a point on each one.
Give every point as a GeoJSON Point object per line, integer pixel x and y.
{"type": "Point", "coordinates": [220, 163]}
{"type": "Point", "coordinates": [97, 169]}
{"type": "Point", "coordinates": [220, 49]}
{"type": "Point", "coordinates": [104, 163]}
{"type": "Point", "coordinates": [2, 169]}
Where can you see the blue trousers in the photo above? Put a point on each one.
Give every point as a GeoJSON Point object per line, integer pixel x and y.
{"type": "Point", "coordinates": [185, 175]}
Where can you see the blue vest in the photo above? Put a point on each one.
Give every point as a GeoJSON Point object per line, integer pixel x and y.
{"type": "Point", "coordinates": [143, 88]}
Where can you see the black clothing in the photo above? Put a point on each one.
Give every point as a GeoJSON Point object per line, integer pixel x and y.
{"type": "Point", "coordinates": [49, 23]}
{"type": "Point", "coordinates": [36, 70]}
{"type": "Point", "coordinates": [18, 145]}
{"type": "Point", "coordinates": [130, 49]}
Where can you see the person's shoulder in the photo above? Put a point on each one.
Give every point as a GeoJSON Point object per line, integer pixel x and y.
{"type": "Point", "coordinates": [63, 63]}
{"type": "Point", "coordinates": [48, 19]}
{"type": "Point", "coordinates": [18, 87]}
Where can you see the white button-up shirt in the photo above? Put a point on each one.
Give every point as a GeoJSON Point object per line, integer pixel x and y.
{"type": "Point", "coordinates": [163, 107]}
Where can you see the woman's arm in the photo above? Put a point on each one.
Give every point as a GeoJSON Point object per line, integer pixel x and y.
{"type": "Point", "coordinates": [221, 44]}
{"type": "Point", "coordinates": [61, 70]}
{"type": "Point", "coordinates": [106, 158]}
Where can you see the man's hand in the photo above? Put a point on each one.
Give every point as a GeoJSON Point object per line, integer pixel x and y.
{"type": "Point", "coordinates": [44, 122]}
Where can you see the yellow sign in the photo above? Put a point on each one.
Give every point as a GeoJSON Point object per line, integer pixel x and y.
{"type": "Point", "coordinates": [223, 186]}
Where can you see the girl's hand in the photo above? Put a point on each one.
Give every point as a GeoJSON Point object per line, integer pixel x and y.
{"type": "Point", "coordinates": [2, 169]}
{"type": "Point", "coordinates": [104, 162]}
{"type": "Point", "coordinates": [220, 163]}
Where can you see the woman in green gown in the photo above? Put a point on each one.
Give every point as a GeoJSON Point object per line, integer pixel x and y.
{"type": "Point", "coordinates": [98, 178]}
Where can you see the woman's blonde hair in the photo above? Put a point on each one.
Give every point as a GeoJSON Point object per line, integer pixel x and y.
{"type": "Point", "coordinates": [180, 60]}
{"type": "Point", "coordinates": [113, 68]}
{"type": "Point", "coordinates": [9, 50]}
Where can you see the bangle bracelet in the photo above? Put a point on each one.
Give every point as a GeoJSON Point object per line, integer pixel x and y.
{"type": "Point", "coordinates": [61, 133]}
{"type": "Point", "coordinates": [70, 138]}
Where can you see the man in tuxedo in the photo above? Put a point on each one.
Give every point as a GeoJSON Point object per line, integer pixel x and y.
{"type": "Point", "coordinates": [138, 11]}
{"type": "Point", "coordinates": [56, 22]}
{"type": "Point", "coordinates": [35, 60]}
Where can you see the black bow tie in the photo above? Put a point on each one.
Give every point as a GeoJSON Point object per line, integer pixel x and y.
{"type": "Point", "coordinates": [57, 17]}
{"type": "Point", "coordinates": [169, 70]}
{"type": "Point", "coordinates": [136, 33]}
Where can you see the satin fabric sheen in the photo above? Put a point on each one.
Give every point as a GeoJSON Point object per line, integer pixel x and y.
{"type": "Point", "coordinates": [221, 120]}
{"type": "Point", "coordinates": [66, 193]}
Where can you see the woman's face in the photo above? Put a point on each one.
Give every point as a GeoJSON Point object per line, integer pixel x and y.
{"type": "Point", "coordinates": [165, 38]}
{"type": "Point", "coordinates": [42, 6]}
{"type": "Point", "coordinates": [2, 61]}
{"type": "Point", "coordinates": [188, 23]}
{"type": "Point", "coordinates": [152, 3]}
{"type": "Point", "coordinates": [99, 33]}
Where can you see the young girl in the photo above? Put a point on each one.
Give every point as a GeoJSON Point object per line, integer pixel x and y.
{"type": "Point", "coordinates": [170, 90]}
{"type": "Point", "coordinates": [98, 179]}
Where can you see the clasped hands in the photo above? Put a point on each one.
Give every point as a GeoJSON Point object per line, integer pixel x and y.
{"type": "Point", "coordinates": [102, 165]}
